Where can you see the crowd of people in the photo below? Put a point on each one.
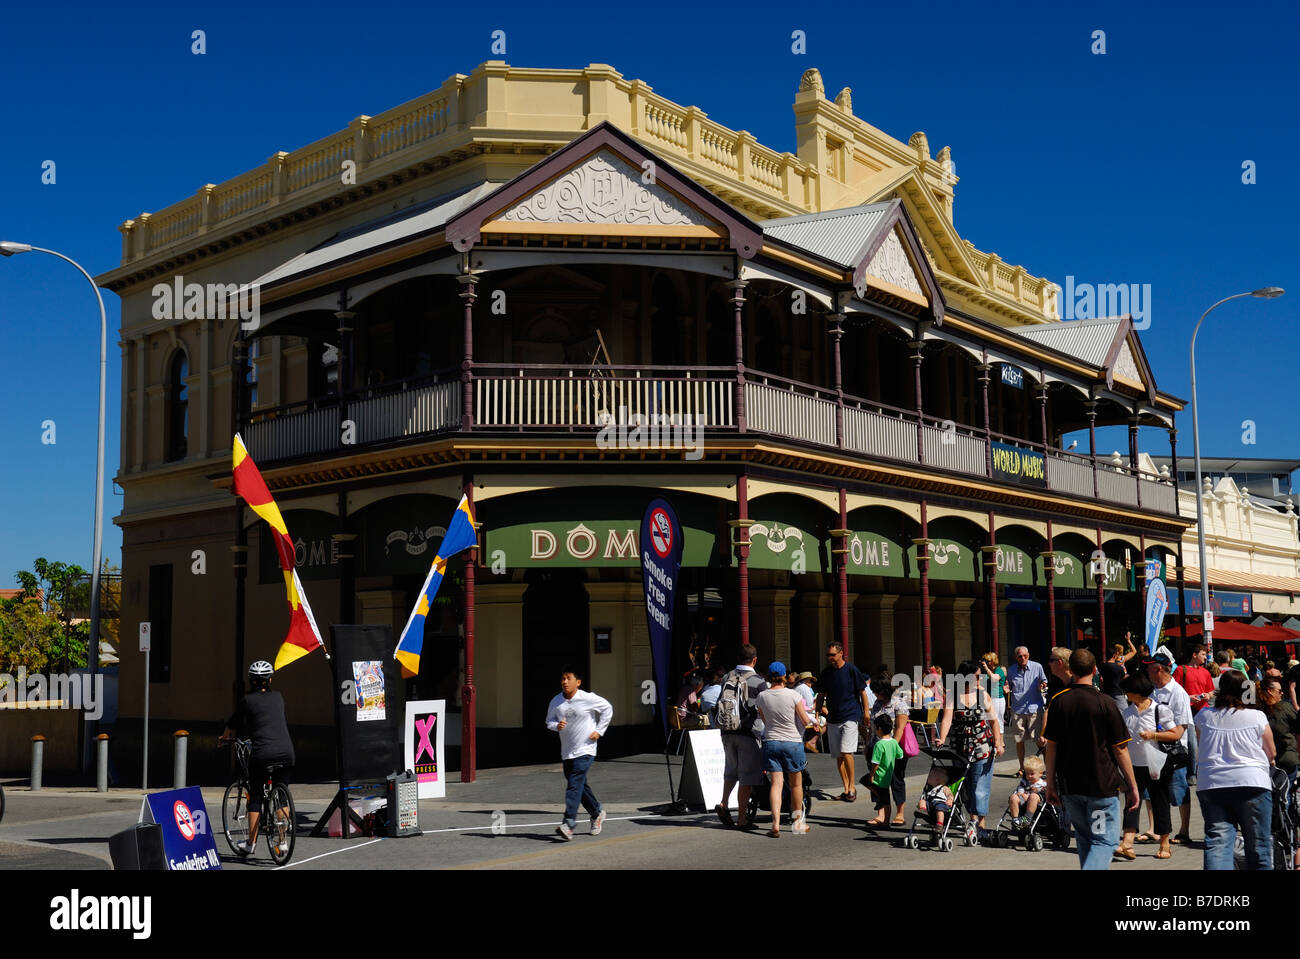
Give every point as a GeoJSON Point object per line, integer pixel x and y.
{"type": "Point", "coordinates": [1106, 737]}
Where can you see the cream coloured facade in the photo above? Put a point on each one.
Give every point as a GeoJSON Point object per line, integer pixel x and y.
{"type": "Point", "coordinates": [380, 252]}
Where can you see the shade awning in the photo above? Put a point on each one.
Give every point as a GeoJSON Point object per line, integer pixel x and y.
{"type": "Point", "coordinates": [1240, 632]}
{"type": "Point", "coordinates": [1251, 582]}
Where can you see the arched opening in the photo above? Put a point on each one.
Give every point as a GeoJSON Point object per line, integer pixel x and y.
{"type": "Point", "coordinates": [177, 410]}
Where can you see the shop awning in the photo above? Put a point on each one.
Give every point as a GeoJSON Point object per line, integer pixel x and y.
{"type": "Point", "coordinates": [1249, 582]}
{"type": "Point", "coordinates": [1228, 629]}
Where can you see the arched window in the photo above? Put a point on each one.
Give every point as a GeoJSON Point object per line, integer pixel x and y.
{"type": "Point", "coordinates": [254, 349]}
{"type": "Point", "coordinates": [178, 420]}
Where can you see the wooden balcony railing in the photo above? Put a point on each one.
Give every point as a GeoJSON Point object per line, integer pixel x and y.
{"type": "Point", "coordinates": [523, 398]}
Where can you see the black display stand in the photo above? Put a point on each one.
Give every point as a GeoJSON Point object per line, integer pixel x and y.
{"type": "Point", "coordinates": [370, 749]}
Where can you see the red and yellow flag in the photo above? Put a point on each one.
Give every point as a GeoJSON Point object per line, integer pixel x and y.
{"type": "Point", "coordinates": [303, 635]}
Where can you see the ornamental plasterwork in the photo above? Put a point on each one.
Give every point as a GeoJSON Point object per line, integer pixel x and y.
{"type": "Point", "coordinates": [603, 189]}
{"type": "Point", "coordinates": [892, 265]}
{"type": "Point", "coordinates": [1125, 365]}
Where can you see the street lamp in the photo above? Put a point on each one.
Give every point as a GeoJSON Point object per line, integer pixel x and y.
{"type": "Point", "coordinates": [8, 248]}
{"type": "Point", "coordinates": [1267, 293]}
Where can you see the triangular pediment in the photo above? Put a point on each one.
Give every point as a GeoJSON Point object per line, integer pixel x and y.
{"type": "Point", "coordinates": [605, 182]}
{"type": "Point", "coordinates": [891, 264]}
{"type": "Point", "coordinates": [604, 188]}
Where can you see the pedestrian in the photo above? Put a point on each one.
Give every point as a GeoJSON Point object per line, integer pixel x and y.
{"type": "Point", "coordinates": [1112, 673]}
{"type": "Point", "coordinates": [842, 699]}
{"type": "Point", "coordinates": [995, 678]}
{"type": "Point", "coordinates": [813, 732]}
{"type": "Point", "coordinates": [1222, 661]}
{"type": "Point", "coordinates": [1291, 683]}
{"type": "Point", "coordinates": [1168, 693]}
{"type": "Point", "coordinates": [892, 703]}
{"type": "Point", "coordinates": [737, 717]}
{"type": "Point", "coordinates": [1031, 789]}
{"type": "Point", "coordinates": [1199, 686]}
{"type": "Point", "coordinates": [1087, 766]}
{"type": "Point", "coordinates": [580, 718]}
{"type": "Point", "coordinates": [1148, 723]}
{"type": "Point", "coordinates": [1058, 667]}
{"type": "Point", "coordinates": [885, 755]}
{"type": "Point", "coordinates": [976, 733]}
{"type": "Point", "coordinates": [1236, 785]}
{"type": "Point", "coordinates": [1026, 680]}
{"type": "Point", "coordinates": [784, 719]}
{"type": "Point", "coordinates": [1285, 726]}
{"type": "Point", "coordinates": [709, 695]}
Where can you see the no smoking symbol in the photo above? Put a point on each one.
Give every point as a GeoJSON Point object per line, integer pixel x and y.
{"type": "Point", "coordinates": [184, 821]}
{"type": "Point", "coordinates": [661, 532]}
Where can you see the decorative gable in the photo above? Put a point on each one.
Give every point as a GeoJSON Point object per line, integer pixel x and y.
{"type": "Point", "coordinates": [604, 188]}
{"type": "Point", "coordinates": [890, 263]}
{"type": "Point", "coordinates": [1126, 366]}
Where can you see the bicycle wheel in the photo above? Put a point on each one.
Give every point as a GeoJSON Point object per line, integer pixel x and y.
{"type": "Point", "coordinates": [234, 816]}
{"type": "Point", "coordinates": [2, 802]}
{"type": "Point", "coordinates": [280, 820]}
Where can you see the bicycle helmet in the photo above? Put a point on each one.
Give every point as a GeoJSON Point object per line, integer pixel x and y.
{"type": "Point", "coordinates": [261, 670]}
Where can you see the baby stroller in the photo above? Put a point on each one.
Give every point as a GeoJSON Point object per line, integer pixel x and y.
{"type": "Point", "coordinates": [1047, 825]}
{"type": "Point", "coordinates": [947, 767]}
{"type": "Point", "coordinates": [1286, 820]}
{"type": "Point", "coordinates": [760, 797]}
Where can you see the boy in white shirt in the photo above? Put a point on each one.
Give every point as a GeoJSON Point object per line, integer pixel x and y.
{"type": "Point", "coordinates": [580, 718]}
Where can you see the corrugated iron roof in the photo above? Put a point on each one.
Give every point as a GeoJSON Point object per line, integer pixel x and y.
{"type": "Point", "coordinates": [421, 218]}
{"type": "Point", "coordinates": [1088, 341]}
{"type": "Point", "coordinates": [840, 236]}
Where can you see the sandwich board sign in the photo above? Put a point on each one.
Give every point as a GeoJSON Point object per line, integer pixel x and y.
{"type": "Point", "coordinates": [702, 770]}
{"type": "Point", "coordinates": [188, 839]}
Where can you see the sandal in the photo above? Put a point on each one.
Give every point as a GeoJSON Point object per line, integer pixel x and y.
{"type": "Point", "coordinates": [1165, 854]}
{"type": "Point", "coordinates": [724, 815]}
{"type": "Point", "coordinates": [850, 797]}
{"type": "Point", "coordinates": [1126, 853]}
{"type": "Point", "coordinates": [1145, 837]}
{"type": "Point", "coordinates": [774, 834]}
{"type": "Point", "coordinates": [1182, 837]}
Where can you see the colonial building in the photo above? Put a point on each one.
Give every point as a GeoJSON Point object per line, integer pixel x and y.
{"type": "Point", "coordinates": [562, 294]}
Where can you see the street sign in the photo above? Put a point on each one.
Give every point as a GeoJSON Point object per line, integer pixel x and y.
{"type": "Point", "coordinates": [1209, 621]}
{"type": "Point", "coordinates": [144, 637]}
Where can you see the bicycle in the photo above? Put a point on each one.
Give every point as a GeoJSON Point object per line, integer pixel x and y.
{"type": "Point", "coordinates": [281, 835]}
{"type": "Point", "coordinates": [2, 802]}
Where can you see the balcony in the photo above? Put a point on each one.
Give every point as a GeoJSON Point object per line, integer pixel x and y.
{"type": "Point", "coordinates": [531, 399]}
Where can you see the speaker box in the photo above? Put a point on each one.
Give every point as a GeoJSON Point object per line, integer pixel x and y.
{"type": "Point", "coordinates": [140, 847]}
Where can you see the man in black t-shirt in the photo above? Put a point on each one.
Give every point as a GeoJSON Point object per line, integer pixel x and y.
{"type": "Point", "coordinates": [842, 699]}
{"type": "Point", "coordinates": [260, 717]}
{"type": "Point", "coordinates": [1087, 764]}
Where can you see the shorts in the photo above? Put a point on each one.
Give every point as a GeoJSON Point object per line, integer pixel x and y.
{"type": "Point", "coordinates": [257, 775]}
{"type": "Point", "coordinates": [1027, 725]}
{"type": "Point", "coordinates": [783, 757]}
{"type": "Point", "coordinates": [1179, 791]}
{"type": "Point", "coordinates": [742, 759]}
{"type": "Point", "coordinates": [843, 737]}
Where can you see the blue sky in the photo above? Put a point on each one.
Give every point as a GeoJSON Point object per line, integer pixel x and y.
{"type": "Point", "coordinates": [1122, 167]}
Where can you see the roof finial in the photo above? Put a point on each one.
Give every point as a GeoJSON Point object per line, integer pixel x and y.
{"type": "Point", "coordinates": [812, 80]}
{"type": "Point", "coordinates": [845, 100]}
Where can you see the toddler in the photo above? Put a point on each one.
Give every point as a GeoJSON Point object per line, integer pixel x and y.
{"type": "Point", "coordinates": [1029, 793]}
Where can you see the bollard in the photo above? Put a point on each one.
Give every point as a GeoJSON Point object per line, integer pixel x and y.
{"type": "Point", "coordinates": [179, 755]}
{"type": "Point", "coordinates": [38, 761]}
{"type": "Point", "coordinates": [101, 763]}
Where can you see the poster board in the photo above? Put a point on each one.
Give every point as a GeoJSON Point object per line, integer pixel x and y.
{"type": "Point", "coordinates": [702, 770]}
{"type": "Point", "coordinates": [423, 746]}
{"type": "Point", "coordinates": [369, 703]}
{"type": "Point", "coordinates": [187, 833]}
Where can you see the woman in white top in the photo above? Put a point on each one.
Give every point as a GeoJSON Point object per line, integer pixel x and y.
{"type": "Point", "coordinates": [784, 719]}
{"type": "Point", "coordinates": [1148, 723]}
{"type": "Point", "coordinates": [1233, 778]}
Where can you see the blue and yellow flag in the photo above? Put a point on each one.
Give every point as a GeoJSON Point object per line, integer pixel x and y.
{"type": "Point", "coordinates": [460, 536]}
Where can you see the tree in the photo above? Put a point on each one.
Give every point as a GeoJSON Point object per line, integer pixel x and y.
{"type": "Point", "coordinates": [58, 591]}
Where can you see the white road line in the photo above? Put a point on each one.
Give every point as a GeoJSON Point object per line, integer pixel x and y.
{"type": "Point", "coordinates": [527, 825]}
{"type": "Point", "coordinates": [334, 853]}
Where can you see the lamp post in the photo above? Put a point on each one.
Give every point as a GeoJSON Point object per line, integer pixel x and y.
{"type": "Point", "coordinates": [1266, 293]}
{"type": "Point", "coordinates": [9, 249]}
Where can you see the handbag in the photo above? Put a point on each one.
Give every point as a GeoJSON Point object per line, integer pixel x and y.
{"type": "Point", "coordinates": [1176, 755]}
{"type": "Point", "coordinates": [910, 747]}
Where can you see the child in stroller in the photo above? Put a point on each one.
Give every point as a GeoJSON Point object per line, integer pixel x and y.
{"type": "Point", "coordinates": [1029, 815]}
{"type": "Point", "coordinates": [1286, 821]}
{"type": "Point", "coordinates": [943, 808]}
{"type": "Point", "coordinates": [760, 797]}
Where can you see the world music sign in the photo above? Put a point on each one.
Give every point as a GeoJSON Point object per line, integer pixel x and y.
{"type": "Point", "coordinates": [1019, 465]}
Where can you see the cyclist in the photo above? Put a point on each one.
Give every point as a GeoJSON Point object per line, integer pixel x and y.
{"type": "Point", "coordinates": [260, 717]}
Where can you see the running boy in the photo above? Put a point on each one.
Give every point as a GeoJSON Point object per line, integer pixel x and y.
{"type": "Point", "coordinates": [580, 718]}
{"type": "Point", "coordinates": [884, 755]}
{"type": "Point", "coordinates": [1030, 792]}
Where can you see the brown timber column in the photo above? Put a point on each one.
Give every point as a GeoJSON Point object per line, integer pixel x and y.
{"type": "Point", "coordinates": [1173, 475]}
{"type": "Point", "coordinates": [1133, 456]}
{"type": "Point", "coordinates": [842, 554]}
{"type": "Point", "coordinates": [1042, 412]}
{"type": "Point", "coordinates": [468, 753]}
{"type": "Point", "coordinates": [1142, 609]}
{"type": "Point", "coordinates": [738, 299]}
{"type": "Point", "coordinates": [991, 574]}
{"type": "Point", "coordinates": [920, 431]}
{"type": "Point", "coordinates": [988, 428]}
{"type": "Point", "coordinates": [923, 565]}
{"type": "Point", "coordinates": [837, 333]}
{"type": "Point", "coordinates": [1101, 595]}
{"type": "Point", "coordinates": [1092, 442]}
{"type": "Point", "coordinates": [1049, 568]}
{"type": "Point", "coordinates": [469, 283]}
{"type": "Point", "coordinates": [239, 418]}
{"type": "Point", "coordinates": [741, 525]}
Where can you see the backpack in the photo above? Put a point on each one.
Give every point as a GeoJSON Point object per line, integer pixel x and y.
{"type": "Point", "coordinates": [735, 713]}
